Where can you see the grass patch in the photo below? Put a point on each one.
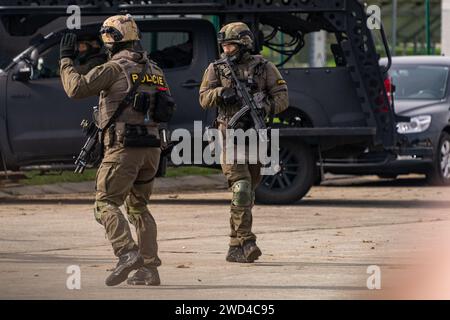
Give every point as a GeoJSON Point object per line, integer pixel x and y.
{"type": "Point", "coordinates": [190, 171]}
{"type": "Point", "coordinates": [37, 178]}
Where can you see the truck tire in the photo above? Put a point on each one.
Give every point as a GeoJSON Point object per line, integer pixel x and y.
{"type": "Point", "coordinates": [295, 179]}
{"type": "Point", "coordinates": [439, 175]}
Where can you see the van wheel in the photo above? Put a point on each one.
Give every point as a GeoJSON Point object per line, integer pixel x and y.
{"type": "Point", "coordinates": [295, 178]}
{"type": "Point", "coordinates": [439, 175]}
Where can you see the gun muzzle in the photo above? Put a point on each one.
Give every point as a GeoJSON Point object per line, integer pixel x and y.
{"type": "Point", "coordinates": [79, 169]}
{"type": "Point", "coordinates": [80, 166]}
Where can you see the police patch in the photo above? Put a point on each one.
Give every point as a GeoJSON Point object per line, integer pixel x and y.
{"type": "Point", "coordinates": [150, 79]}
{"type": "Point", "coordinates": [281, 82]}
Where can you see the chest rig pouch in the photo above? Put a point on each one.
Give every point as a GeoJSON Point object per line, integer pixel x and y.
{"type": "Point", "coordinates": [141, 102]}
{"type": "Point", "coordinates": [164, 106]}
{"type": "Point", "coordinates": [248, 76]}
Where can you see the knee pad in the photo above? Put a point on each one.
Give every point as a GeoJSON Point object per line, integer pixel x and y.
{"type": "Point", "coordinates": [143, 220]}
{"type": "Point", "coordinates": [134, 212]}
{"type": "Point", "coordinates": [242, 193]}
{"type": "Point", "coordinates": [97, 216]}
{"type": "Point", "coordinates": [100, 208]}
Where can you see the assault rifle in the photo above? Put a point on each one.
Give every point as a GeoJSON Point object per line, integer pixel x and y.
{"type": "Point", "coordinates": [250, 105]}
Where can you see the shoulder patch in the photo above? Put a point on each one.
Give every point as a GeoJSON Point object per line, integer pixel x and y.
{"type": "Point", "coordinates": [280, 82]}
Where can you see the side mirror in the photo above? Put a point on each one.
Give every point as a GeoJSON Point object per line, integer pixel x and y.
{"type": "Point", "coordinates": [23, 72]}
{"type": "Point", "coordinates": [34, 57]}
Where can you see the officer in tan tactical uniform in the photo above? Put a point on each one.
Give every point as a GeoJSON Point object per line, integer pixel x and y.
{"type": "Point", "coordinates": [217, 90]}
{"type": "Point", "coordinates": [127, 170]}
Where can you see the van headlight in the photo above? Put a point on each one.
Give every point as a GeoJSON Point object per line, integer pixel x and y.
{"type": "Point", "coordinates": [416, 125]}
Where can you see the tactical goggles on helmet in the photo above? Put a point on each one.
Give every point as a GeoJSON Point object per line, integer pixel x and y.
{"type": "Point", "coordinates": [222, 38]}
{"type": "Point", "coordinates": [116, 34]}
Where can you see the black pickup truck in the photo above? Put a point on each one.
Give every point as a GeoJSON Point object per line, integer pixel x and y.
{"type": "Point", "coordinates": [335, 112]}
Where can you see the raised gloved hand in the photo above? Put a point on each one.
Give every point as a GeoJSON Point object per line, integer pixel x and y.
{"type": "Point", "coordinates": [68, 47]}
{"type": "Point", "coordinates": [229, 96]}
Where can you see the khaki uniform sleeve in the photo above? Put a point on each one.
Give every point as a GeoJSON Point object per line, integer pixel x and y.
{"type": "Point", "coordinates": [277, 89]}
{"type": "Point", "coordinates": [80, 86]}
{"type": "Point", "coordinates": [210, 89]}
{"type": "Point", "coordinates": [83, 69]}
{"type": "Point", "coordinates": [89, 65]}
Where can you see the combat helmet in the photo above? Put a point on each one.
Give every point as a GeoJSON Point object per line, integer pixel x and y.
{"type": "Point", "coordinates": [119, 29]}
{"type": "Point", "coordinates": [238, 33]}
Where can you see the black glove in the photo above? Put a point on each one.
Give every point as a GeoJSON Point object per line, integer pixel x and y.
{"type": "Point", "coordinates": [229, 96]}
{"type": "Point", "coordinates": [68, 46]}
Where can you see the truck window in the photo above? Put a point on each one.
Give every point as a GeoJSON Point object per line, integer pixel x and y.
{"type": "Point", "coordinates": [90, 54]}
{"type": "Point", "coordinates": [48, 64]}
{"type": "Point", "coordinates": [169, 49]}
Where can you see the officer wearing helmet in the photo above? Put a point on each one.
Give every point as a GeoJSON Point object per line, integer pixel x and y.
{"type": "Point", "coordinates": [131, 150]}
{"type": "Point", "coordinates": [89, 55]}
{"type": "Point", "coordinates": [217, 90]}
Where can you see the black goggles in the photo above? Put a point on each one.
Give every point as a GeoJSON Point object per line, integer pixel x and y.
{"type": "Point", "coordinates": [117, 36]}
{"type": "Point", "coordinates": [221, 36]}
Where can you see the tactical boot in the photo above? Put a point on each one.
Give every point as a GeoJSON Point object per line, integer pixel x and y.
{"type": "Point", "coordinates": [236, 254]}
{"type": "Point", "coordinates": [251, 251]}
{"type": "Point", "coordinates": [147, 276]}
{"type": "Point", "coordinates": [127, 262]}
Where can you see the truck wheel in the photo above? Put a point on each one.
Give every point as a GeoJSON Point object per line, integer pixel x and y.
{"type": "Point", "coordinates": [439, 175]}
{"type": "Point", "coordinates": [295, 178]}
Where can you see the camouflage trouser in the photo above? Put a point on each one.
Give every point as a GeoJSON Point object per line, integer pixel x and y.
{"type": "Point", "coordinates": [243, 180]}
{"type": "Point", "coordinates": [126, 176]}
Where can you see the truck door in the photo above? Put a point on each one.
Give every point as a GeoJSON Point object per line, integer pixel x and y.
{"type": "Point", "coordinates": [43, 123]}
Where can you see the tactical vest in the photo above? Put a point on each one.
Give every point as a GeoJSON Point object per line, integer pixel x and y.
{"type": "Point", "coordinates": [251, 73]}
{"type": "Point", "coordinates": [111, 98]}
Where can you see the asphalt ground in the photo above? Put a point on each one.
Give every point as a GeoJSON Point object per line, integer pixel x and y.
{"type": "Point", "coordinates": [323, 247]}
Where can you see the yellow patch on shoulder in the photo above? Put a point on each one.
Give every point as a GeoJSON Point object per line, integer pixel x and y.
{"type": "Point", "coordinates": [280, 82]}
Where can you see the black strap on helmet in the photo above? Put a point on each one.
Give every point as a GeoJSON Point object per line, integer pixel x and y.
{"type": "Point", "coordinates": [222, 38]}
{"type": "Point", "coordinates": [245, 33]}
{"type": "Point", "coordinates": [117, 36]}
